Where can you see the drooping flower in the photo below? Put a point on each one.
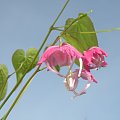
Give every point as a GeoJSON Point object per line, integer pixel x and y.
{"type": "Point", "coordinates": [71, 81]}
{"type": "Point", "coordinates": [63, 55]}
{"type": "Point", "coordinates": [94, 58]}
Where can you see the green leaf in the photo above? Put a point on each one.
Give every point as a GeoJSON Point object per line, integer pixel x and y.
{"type": "Point", "coordinates": [3, 81]}
{"type": "Point", "coordinates": [72, 33]}
{"type": "Point", "coordinates": [22, 61]}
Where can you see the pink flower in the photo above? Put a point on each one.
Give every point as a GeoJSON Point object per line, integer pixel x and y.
{"type": "Point", "coordinates": [86, 75]}
{"type": "Point", "coordinates": [63, 55]}
{"type": "Point", "coordinates": [94, 58]}
{"type": "Point", "coordinates": [71, 81]}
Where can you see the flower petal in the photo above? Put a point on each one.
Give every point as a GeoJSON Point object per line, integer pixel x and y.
{"type": "Point", "coordinates": [55, 71]}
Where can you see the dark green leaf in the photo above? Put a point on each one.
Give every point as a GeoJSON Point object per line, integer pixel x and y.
{"type": "Point", "coordinates": [22, 62]}
{"type": "Point", "coordinates": [73, 34]}
{"type": "Point", "coordinates": [3, 81]}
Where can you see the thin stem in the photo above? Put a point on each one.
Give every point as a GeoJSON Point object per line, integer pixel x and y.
{"type": "Point", "coordinates": [42, 69]}
{"type": "Point", "coordinates": [69, 68]}
{"type": "Point", "coordinates": [20, 93]}
{"type": "Point", "coordinates": [64, 31]}
{"type": "Point", "coordinates": [61, 12]}
{"type": "Point", "coordinates": [30, 79]}
{"type": "Point", "coordinates": [60, 27]}
{"type": "Point", "coordinates": [91, 32]}
{"type": "Point", "coordinates": [56, 40]}
{"type": "Point", "coordinates": [15, 71]}
{"type": "Point", "coordinates": [101, 31]}
{"type": "Point", "coordinates": [98, 31]}
{"type": "Point", "coordinates": [80, 17]}
{"type": "Point", "coordinates": [12, 91]}
{"type": "Point", "coordinates": [57, 29]}
{"type": "Point", "coordinates": [11, 74]}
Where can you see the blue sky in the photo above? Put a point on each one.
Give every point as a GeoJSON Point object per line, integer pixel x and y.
{"type": "Point", "coordinates": [24, 24]}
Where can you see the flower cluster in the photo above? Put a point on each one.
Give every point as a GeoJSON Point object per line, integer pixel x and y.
{"type": "Point", "coordinates": [65, 55]}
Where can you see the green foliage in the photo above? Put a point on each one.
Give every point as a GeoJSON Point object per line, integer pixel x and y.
{"type": "Point", "coordinates": [73, 33]}
{"type": "Point", "coordinates": [3, 81]}
{"type": "Point", "coordinates": [22, 62]}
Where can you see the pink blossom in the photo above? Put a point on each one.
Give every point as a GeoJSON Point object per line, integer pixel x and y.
{"type": "Point", "coordinates": [94, 58]}
{"type": "Point", "coordinates": [63, 55]}
{"type": "Point", "coordinates": [71, 81]}
{"type": "Point", "coordinates": [86, 75]}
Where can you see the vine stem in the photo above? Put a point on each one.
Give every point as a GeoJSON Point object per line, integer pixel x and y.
{"type": "Point", "coordinates": [30, 79]}
{"type": "Point", "coordinates": [91, 32]}
{"type": "Point", "coordinates": [20, 93]}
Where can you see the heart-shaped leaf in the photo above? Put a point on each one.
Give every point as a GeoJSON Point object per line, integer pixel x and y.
{"type": "Point", "coordinates": [22, 62]}
{"type": "Point", "coordinates": [78, 34]}
{"type": "Point", "coordinates": [3, 81]}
